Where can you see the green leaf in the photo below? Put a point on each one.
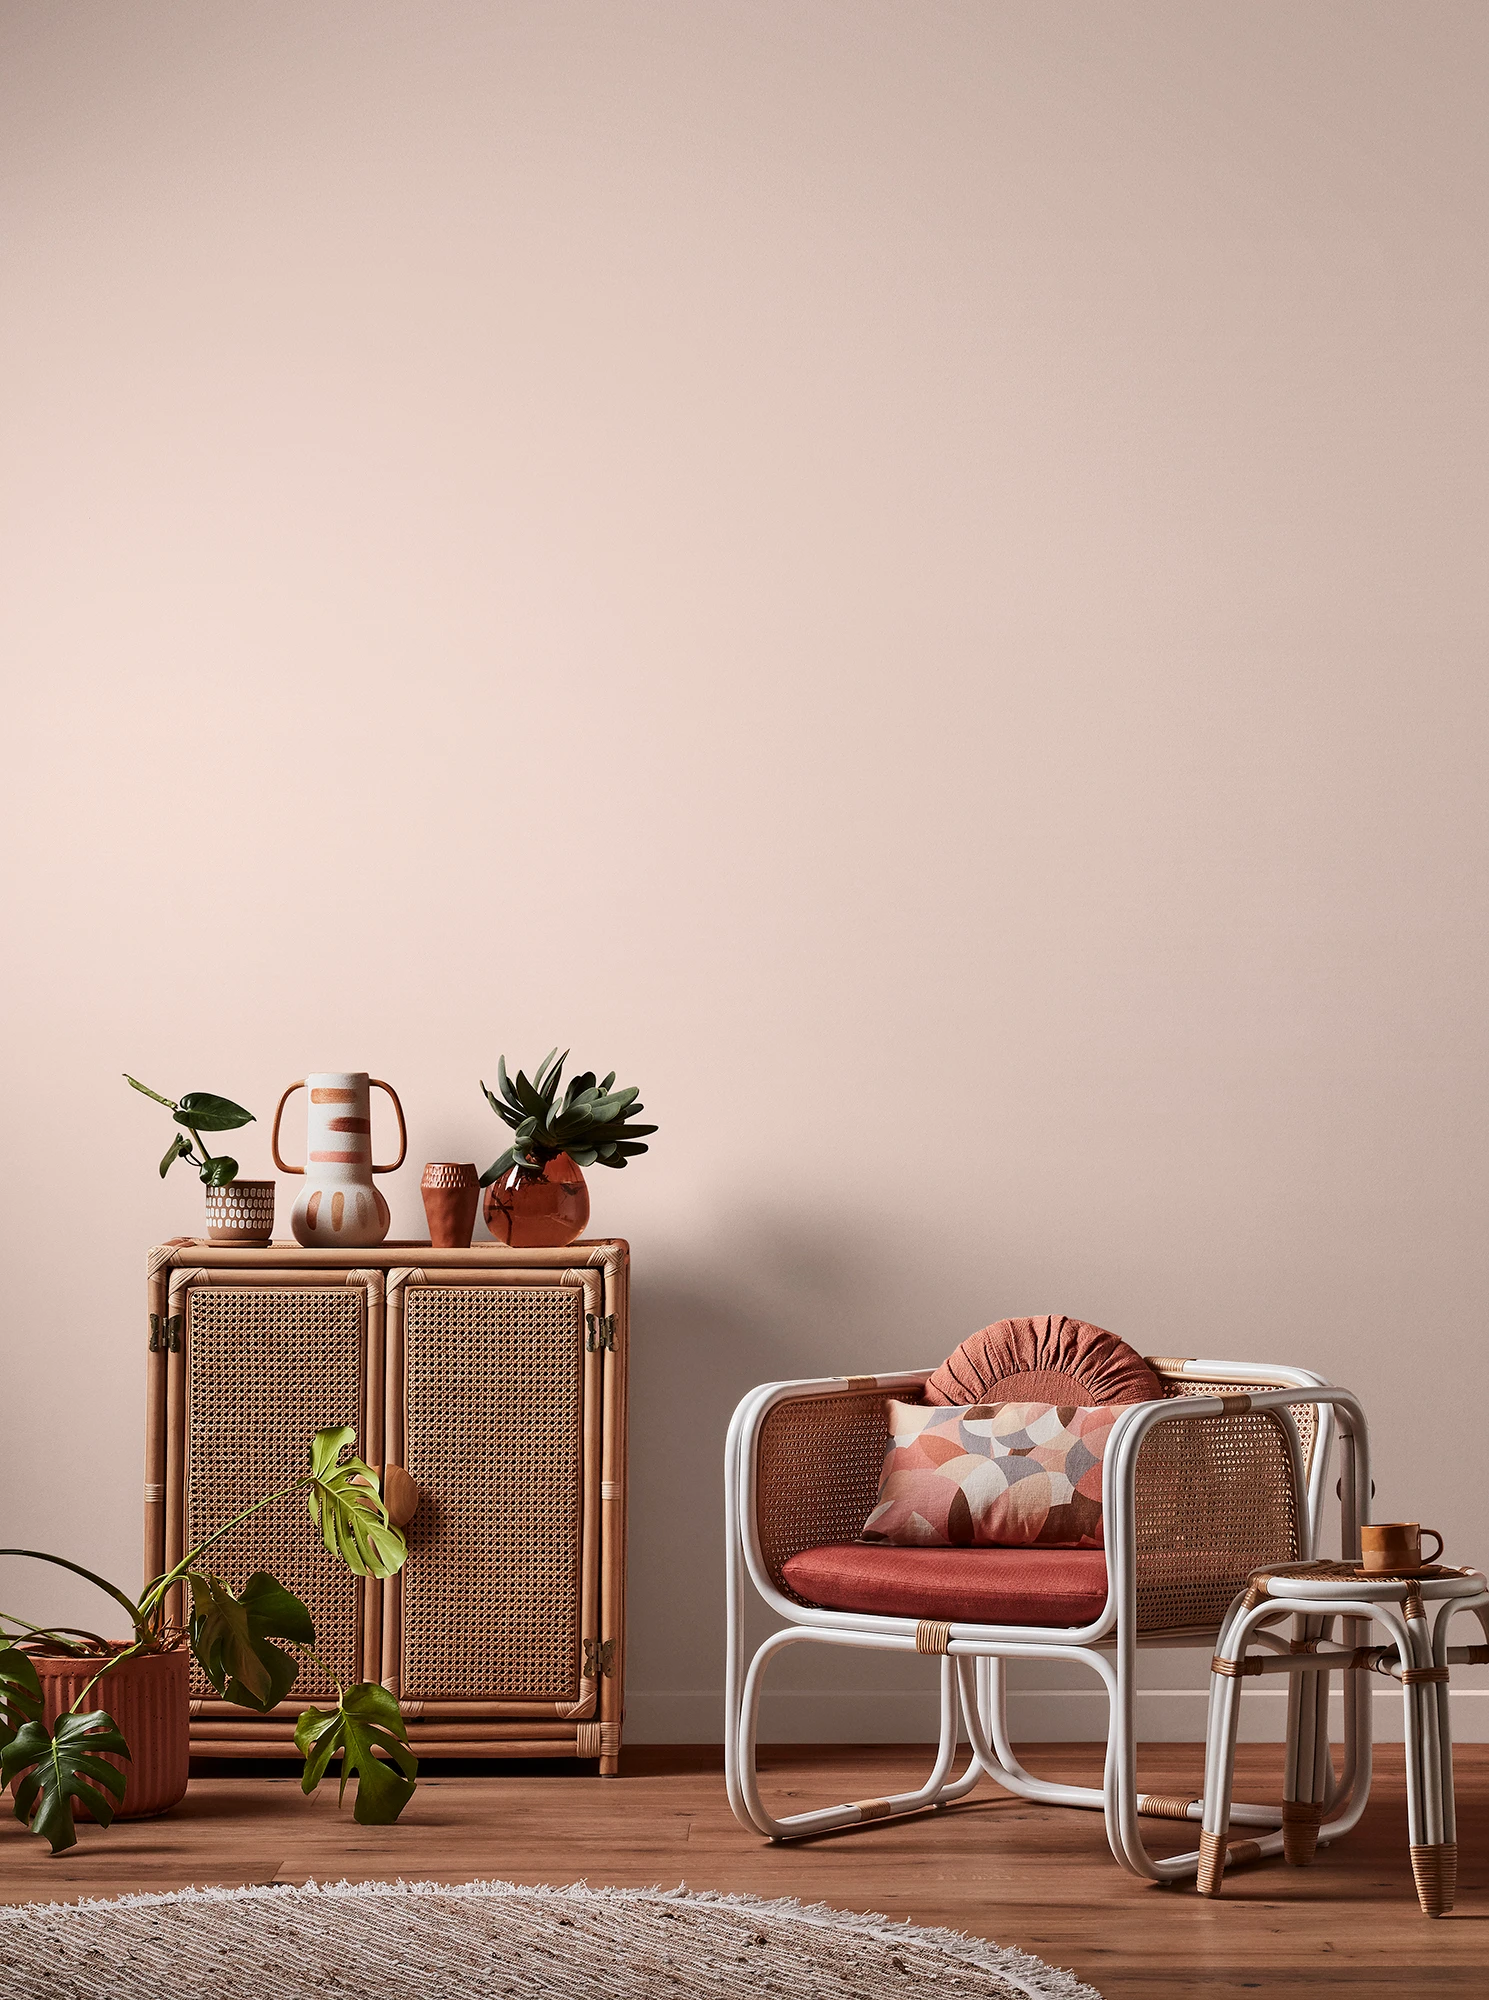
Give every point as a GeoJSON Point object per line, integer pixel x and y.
{"type": "Point", "coordinates": [20, 1693]}
{"type": "Point", "coordinates": [502, 1164]}
{"type": "Point", "coordinates": [504, 1084]}
{"type": "Point", "coordinates": [211, 1114]}
{"type": "Point", "coordinates": [219, 1171]}
{"type": "Point", "coordinates": [547, 1084]}
{"type": "Point", "coordinates": [506, 1112]}
{"type": "Point", "coordinates": [608, 1081]}
{"type": "Point", "coordinates": [365, 1720]}
{"type": "Point", "coordinates": [346, 1506]}
{"type": "Point", "coordinates": [178, 1146]}
{"type": "Point", "coordinates": [62, 1768]}
{"type": "Point", "coordinates": [145, 1091]}
{"type": "Point", "coordinates": [231, 1636]}
{"type": "Point", "coordinates": [583, 1156]}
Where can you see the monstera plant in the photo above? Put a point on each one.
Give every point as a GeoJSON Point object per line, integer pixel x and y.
{"type": "Point", "coordinates": [199, 1111]}
{"type": "Point", "coordinates": [249, 1644]}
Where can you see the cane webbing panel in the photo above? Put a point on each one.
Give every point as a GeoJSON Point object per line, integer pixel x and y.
{"type": "Point", "coordinates": [493, 1403]}
{"type": "Point", "coordinates": [267, 1367]}
{"type": "Point", "coordinates": [800, 1504]}
{"type": "Point", "coordinates": [1215, 1501]}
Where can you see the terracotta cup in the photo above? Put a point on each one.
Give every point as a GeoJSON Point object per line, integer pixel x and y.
{"type": "Point", "coordinates": [1391, 1545]}
{"type": "Point", "coordinates": [452, 1194]}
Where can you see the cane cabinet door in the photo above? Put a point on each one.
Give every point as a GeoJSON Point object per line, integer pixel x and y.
{"type": "Point", "coordinates": [265, 1361]}
{"type": "Point", "coordinates": [494, 1411]}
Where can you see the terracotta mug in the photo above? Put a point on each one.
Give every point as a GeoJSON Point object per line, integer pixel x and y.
{"type": "Point", "coordinates": [452, 1194]}
{"type": "Point", "coordinates": [1389, 1545]}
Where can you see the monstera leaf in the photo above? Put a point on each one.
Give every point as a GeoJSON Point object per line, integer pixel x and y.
{"type": "Point", "coordinates": [366, 1719]}
{"type": "Point", "coordinates": [231, 1637]}
{"type": "Point", "coordinates": [65, 1767]}
{"type": "Point", "coordinates": [20, 1693]}
{"type": "Point", "coordinates": [346, 1506]}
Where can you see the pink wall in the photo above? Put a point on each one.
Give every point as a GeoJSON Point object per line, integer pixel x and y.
{"type": "Point", "coordinates": [911, 576]}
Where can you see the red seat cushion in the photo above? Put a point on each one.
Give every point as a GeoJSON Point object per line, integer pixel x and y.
{"type": "Point", "coordinates": [1046, 1360]}
{"type": "Point", "coordinates": [955, 1586]}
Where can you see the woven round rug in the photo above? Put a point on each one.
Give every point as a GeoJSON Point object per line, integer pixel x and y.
{"type": "Point", "coordinates": [428, 1941]}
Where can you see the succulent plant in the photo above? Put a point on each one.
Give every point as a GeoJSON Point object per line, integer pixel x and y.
{"type": "Point", "coordinates": [591, 1122]}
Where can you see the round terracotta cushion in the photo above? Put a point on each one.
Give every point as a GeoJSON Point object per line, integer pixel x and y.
{"type": "Point", "coordinates": [1049, 1360]}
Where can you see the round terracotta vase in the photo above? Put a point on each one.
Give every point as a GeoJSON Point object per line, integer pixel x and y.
{"type": "Point", "coordinates": [148, 1700]}
{"type": "Point", "coordinates": [536, 1209]}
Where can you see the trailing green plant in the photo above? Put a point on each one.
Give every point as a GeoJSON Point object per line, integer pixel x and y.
{"type": "Point", "coordinates": [249, 1644]}
{"type": "Point", "coordinates": [592, 1123]}
{"type": "Point", "coordinates": [199, 1111]}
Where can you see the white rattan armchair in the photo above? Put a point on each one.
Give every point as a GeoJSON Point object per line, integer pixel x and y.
{"type": "Point", "coordinates": [1225, 1474]}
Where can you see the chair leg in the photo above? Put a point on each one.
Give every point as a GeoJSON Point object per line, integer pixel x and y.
{"type": "Point", "coordinates": [1434, 1863]}
{"type": "Point", "coordinates": [1220, 1761]}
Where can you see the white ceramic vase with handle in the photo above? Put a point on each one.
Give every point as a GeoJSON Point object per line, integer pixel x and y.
{"type": "Point", "coordinates": [339, 1208]}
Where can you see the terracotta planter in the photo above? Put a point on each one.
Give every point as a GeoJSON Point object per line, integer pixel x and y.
{"type": "Point", "coordinates": [147, 1698]}
{"type": "Point", "coordinates": [241, 1212]}
{"type": "Point", "coordinates": [535, 1209]}
{"type": "Point", "coordinates": [452, 1194]}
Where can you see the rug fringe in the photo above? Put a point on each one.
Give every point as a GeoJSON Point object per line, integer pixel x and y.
{"type": "Point", "coordinates": [1030, 1975]}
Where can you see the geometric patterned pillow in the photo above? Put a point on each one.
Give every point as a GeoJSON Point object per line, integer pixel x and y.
{"type": "Point", "coordinates": [992, 1475]}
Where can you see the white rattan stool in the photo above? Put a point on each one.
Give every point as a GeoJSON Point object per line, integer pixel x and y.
{"type": "Point", "coordinates": [1416, 1609]}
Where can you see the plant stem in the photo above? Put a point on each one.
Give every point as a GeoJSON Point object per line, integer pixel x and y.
{"type": "Point", "coordinates": [137, 1614]}
{"type": "Point", "coordinates": [206, 1156]}
{"type": "Point", "coordinates": [107, 1668]}
{"type": "Point", "coordinates": [156, 1592]}
{"type": "Point", "coordinates": [61, 1633]}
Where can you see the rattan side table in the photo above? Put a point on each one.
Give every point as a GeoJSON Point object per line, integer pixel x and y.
{"type": "Point", "coordinates": [1416, 1608]}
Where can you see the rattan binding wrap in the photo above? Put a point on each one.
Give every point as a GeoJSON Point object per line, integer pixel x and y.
{"type": "Point", "coordinates": [1436, 1873]}
{"type": "Point", "coordinates": [1301, 1819]}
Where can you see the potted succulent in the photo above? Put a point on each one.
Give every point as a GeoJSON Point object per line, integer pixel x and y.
{"type": "Point", "coordinates": [237, 1211]}
{"type": "Point", "coordinates": [60, 1755]}
{"type": "Point", "coordinates": [535, 1190]}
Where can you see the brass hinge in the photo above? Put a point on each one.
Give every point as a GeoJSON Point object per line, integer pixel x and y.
{"type": "Point", "coordinates": [599, 1659]}
{"type": "Point", "coordinates": [599, 1331]}
{"type": "Point", "coordinates": [165, 1334]}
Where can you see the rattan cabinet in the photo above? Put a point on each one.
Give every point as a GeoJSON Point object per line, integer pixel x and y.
{"type": "Point", "coordinates": [497, 1379]}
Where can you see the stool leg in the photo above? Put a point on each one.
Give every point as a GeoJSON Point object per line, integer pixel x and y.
{"type": "Point", "coordinates": [1220, 1761]}
{"type": "Point", "coordinates": [1434, 1859]}
{"type": "Point", "coordinates": [1305, 1787]}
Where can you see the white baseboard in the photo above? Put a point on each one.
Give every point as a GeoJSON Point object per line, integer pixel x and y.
{"type": "Point", "coordinates": [1064, 1715]}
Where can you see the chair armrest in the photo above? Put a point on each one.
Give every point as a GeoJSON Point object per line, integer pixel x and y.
{"type": "Point", "coordinates": [803, 1464]}
{"type": "Point", "coordinates": [1201, 1490]}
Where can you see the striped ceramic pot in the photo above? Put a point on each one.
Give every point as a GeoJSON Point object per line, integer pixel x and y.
{"type": "Point", "coordinates": [338, 1207]}
{"type": "Point", "coordinates": [147, 1697]}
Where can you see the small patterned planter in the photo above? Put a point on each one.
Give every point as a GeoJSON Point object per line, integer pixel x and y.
{"type": "Point", "coordinates": [147, 1697]}
{"type": "Point", "coordinates": [241, 1212]}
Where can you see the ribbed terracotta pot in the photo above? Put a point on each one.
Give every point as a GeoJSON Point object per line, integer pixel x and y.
{"type": "Point", "coordinates": [147, 1697]}
{"type": "Point", "coordinates": [538, 1210]}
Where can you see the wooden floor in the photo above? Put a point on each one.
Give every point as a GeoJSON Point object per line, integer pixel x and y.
{"type": "Point", "coordinates": [1030, 1876]}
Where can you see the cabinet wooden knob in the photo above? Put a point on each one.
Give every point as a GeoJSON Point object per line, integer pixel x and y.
{"type": "Point", "coordinates": [400, 1495]}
